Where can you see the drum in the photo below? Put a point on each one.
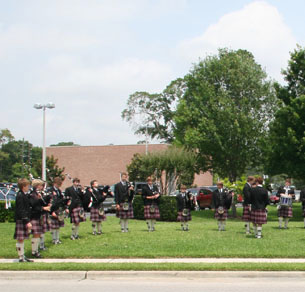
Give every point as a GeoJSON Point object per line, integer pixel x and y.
{"type": "Point", "coordinates": [285, 200]}
{"type": "Point", "coordinates": [125, 206]}
{"type": "Point", "coordinates": [185, 212]}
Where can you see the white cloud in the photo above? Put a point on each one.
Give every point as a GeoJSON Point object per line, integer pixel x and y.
{"type": "Point", "coordinates": [257, 27]}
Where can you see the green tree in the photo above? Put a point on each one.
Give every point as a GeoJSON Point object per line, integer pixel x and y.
{"type": "Point", "coordinates": [285, 147]}
{"type": "Point", "coordinates": [153, 113]}
{"type": "Point", "coordinates": [169, 167]}
{"type": "Point", "coordinates": [225, 112]}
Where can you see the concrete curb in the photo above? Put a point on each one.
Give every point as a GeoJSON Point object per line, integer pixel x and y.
{"type": "Point", "coordinates": [165, 260]}
{"type": "Point", "coordinates": [109, 275]}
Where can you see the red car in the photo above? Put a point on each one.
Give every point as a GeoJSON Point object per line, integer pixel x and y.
{"type": "Point", "coordinates": [203, 196]}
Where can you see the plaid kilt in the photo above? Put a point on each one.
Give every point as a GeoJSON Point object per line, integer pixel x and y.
{"type": "Point", "coordinates": [36, 227]}
{"type": "Point", "coordinates": [46, 225]}
{"type": "Point", "coordinates": [148, 215]}
{"type": "Point", "coordinates": [246, 214]}
{"type": "Point", "coordinates": [223, 216]}
{"type": "Point", "coordinates": [284, 212]}
{"type": "Point", "coordinates": [56, 224]}
{"type": "Point", "coordinates": [75, 218]}
{"type": "Point", "coordinates": [125, 214]}
{"type": "Point", "coordinates": [21, 232]}
{"type": "Point", "coordinates": [259, 216]}
{"type": "Point", "coordinates": [95, 216]}
{"type": "Point", "coordinates": [182, 218]}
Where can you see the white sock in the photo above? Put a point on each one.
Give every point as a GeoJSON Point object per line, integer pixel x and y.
{"type": "Point", "coordinates": [76, 230]}
{"type": "Point", "coordinates": [219, 225]}
{"type": "Point", "coordinates": [94, 227]}
{"type": "Point", "coordinates": [42, 241]}
{"type": "Point", "coordinates": [223, 225]}
{"type": "Point", "coordinates": [255, 230]}
{"type": "Point", "coordinates": [73, 230]}
{"type": "Point", "coordinates": [280, 221]}
{"type": "Point", "coordinates": [186, 226]}
{"type": "Point", "coordinates": [148, 222]}
{"type": "Point", "coordinates": [57, 234]}
{"type": "Point", "coordinates": [122, 225]}
{"type": "Point", "coordinates": [53, 234]}
{"type": "Point", "coordinates": [153, 222]}
{"type": "Point", "coordinates": [20, 249]}
{"type": "Point", "coordinates": [286, 222]}
{"type": "Point", "coordinates": [99, 226]}
{"type": "Point", "coordinates": [248, 227]}
{"type": "Point", "coordinates": [35, 243]}
{"type": "Point", "coordinates": [259, 232]}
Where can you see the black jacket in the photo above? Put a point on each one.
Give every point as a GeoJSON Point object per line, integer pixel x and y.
{"type": "Point", "coordinates": [75, 197]}
{"type": "Point", "coordinates": [221, 199]}
{"type": "Point", "coordinates": [58, 200]}
{"type": "Point", "coordinates": [36, 205]}
{"type": "Point", "coordinates": [147, 192]}
{"type": "Point", "coordinates": [23, 207]}
{"type": "Point", "coordinates": [97, 197]}
{"type": "Point", "coordinates": [246, 193]}
{"type": "Point", "coordinates": [282, 190]}
{"type": "Point", "coordinates": [184, 201]}
{"type": "Point", "coordinates": [259, 198]}
{"type": "Point", "coordinates": [122, 193]}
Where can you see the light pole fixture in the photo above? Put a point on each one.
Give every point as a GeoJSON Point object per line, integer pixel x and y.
{"type": "Point", "coordinates": [49, 105]}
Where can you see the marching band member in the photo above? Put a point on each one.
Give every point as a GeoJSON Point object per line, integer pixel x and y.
{"type": "Point", "coordinates": [37, 209]}
{"type": "Point", "coordinates": [259, 200]}
{"type": "Point", "coordinates": [222, 200]}
{"type": "Point", "coordinates": [97, 213]}
{"type": "Point", "coordinates": [246, 204]}
{"type": "Point", "coordinates": [75, 197]}
{"type": "Point", "coordinates": [285, 212]}
{"type": "Point", "coordinates": [123, 194]}
{"type": "Point", "coordinates": [302, 199]}
{"type": "Point", "coordinates": [57, 210]}
{"type": "Point", "coordinates": [151, 197]}
{"type": "Point", "coordinates": [184, 205]}
{"type": "Point", "coordinates": [22, 217]}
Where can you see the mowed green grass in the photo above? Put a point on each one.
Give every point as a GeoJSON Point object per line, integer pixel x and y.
{"type": "Point", "coordinates": [203, 239]}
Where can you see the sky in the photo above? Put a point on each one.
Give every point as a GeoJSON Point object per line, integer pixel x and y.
{"type": "Point", "coordinates": [88, 56]}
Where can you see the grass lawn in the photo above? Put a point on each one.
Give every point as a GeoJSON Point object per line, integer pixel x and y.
{"type": "Point", "coordinates": [203, 240]}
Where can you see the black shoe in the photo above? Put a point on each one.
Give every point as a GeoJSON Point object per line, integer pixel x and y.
{"type": "Point", "coordinates": [76, 237]}
{"type": "Point", "coordinates": [37, 255]}
{"type": "Point", "coordinates": [22, 260]}
{"type": "Point", "coordinates": [72, 237]}
{"type": "Point", "coordinates": [28, 260]}
{"type": "Point", "coordinates": [99, 233]}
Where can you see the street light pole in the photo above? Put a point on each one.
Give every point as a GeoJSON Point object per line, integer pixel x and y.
{"type": "Point", "coordinates": [49, 105]}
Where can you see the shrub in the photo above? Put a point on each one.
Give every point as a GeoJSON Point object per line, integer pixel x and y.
{"type": "Point", "coordinates": [167, 206]}
{"type": "Point", "coordinates": [7, 214]}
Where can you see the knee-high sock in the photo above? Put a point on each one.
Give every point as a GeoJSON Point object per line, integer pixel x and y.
{"type": "Point", "coordinates": [53, 231]}
{"type": "Point", "coordinates": [280, 221]}
{"type": "Point", "coordinates": [247, 227]}
{"type": "Point", "coordinates": [148, 222]}
{"type": "Point", "coordinates": [42, 240]}
{"type": "Point", "coordinates": [35, 243]}
{"type": "Point", "coordinates": [259, 231]}
{"type": "Point", "coordinates": [57, 234]}
{"type": "Point", "coordinates": [73, 230]}
{"type": "Point", "coordinates": [99, 226]}
{"type": "Point", "coordinates": [126, 225]}
{"type": "Point", "coordinates": [255, 229]}
{"type": "Point", "coordinates": [153, 222]}
{"type": "Point", "coordinates": [76, 230]}
{"type": "Point", "coordinates": [94, 227]}
{"type": "Point", "coordinates": [122, 224]}
{"type": "Point", "coordinates": [20, 249]}
{"type": "Point", "coordinates": [286, 222]}
{"type": "Point", "coordinates": [219, 224]}
{"type": "Point", "coordinates": [223, 224]}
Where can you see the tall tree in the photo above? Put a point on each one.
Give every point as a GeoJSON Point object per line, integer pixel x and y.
{"type": "Point", "coordinates": [152, 114]}
{"type": "Point", "coordinates": [225, 112]}
{"type": "Point", "coordinates": [286, 144]}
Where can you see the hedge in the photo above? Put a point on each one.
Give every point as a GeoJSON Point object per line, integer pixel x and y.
{"type": "Point", "coordinates": [7, 214]}
{"type": "Point", "coordinates": [167, 207]}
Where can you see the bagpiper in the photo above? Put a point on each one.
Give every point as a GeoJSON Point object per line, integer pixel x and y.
{"type": "Point", "coordinates": [185, 203]}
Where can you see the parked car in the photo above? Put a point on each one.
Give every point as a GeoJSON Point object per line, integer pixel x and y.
{"type": "Point", "coordinates": [138, 185]}
{"type": "Point", "coordinates": [203, 196]}
{"type": "Point", "coordinates": [109, 203]}
{"type": "Point", "coordinates": [273, 199]}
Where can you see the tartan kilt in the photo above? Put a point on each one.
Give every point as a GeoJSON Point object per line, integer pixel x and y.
{"type": "Point", "coordinates": [95, 216]}
{"type": "Point", "coordinates": [125, 214]}
{"type": "Point", "coordinates": [148, 215]}
{"type": "Point", "coordinates": [285, 212]}
{"type": "Point", "coordinates": [246, 214]}
{"type": "Point", "coordinates": [259, 216]}
{"type": "Point", "coordinates": [56, 224]}
{"type": "Point", "coordinates": [36, 227]}
{"type": "Point", "coordinates": [21, 231]}
{"type": "Point", "coordinates": [182, 218]}
{"type": "Point", "coordinates": [223, 216]}
{"type": "Point", "coordinates": [75, 217]}
{"type": "Point", "coordinates": [45, 226]}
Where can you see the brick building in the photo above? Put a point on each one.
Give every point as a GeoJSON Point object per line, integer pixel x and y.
{"type": "Point", "coordinates": [104, 163]}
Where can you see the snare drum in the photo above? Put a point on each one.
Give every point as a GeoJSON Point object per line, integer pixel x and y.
{"type": "Point", "coordinates": [285, 200]}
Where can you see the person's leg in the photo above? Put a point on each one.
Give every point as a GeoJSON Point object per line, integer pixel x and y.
{"type": "Point", "coordinates": [280, 222]}
{"type": "Point", "coordinates": [286, 222]}
{"type": "Point", "coordinates": [259, 230]}
{"type": "Point", "coordinates": [20, 249]}
{"type": "Point", "coordinates": [99, 228]}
